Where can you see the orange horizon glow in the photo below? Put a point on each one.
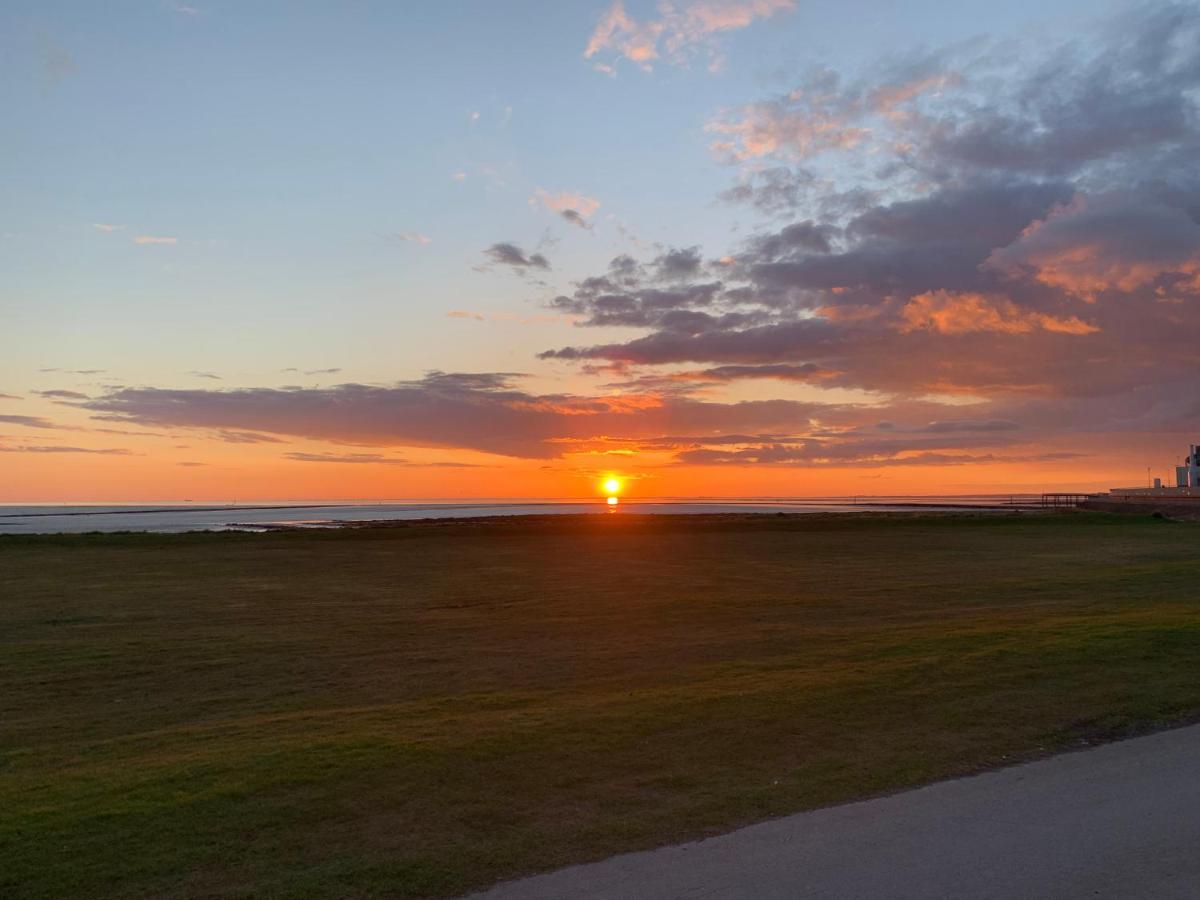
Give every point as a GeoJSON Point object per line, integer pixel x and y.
{"type": "Point", "coordinates": [256, 473]}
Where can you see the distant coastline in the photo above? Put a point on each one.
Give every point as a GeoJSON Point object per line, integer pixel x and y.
{"type": "Point", "coordinates": [174, 518]}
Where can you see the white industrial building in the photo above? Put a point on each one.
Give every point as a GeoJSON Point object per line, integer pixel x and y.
{"type": "Point", "coordinates": [1187, 482]}
{"type": "Point", "coordinates": [1188, 475]}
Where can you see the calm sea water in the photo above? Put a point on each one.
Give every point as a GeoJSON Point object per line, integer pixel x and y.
{"type": "Point", "coordinates": [209, 517]}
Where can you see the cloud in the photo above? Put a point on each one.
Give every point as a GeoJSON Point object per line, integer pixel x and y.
{"type": "Point", "coordinates": [191, 464]}
{"type": "Point", "coordinates": [57, 63]}
{"type": "Point", "coordinates": [57, 449]}
{"type": "Point", "coordinates": [573, 207]}
{"type": "Point", "coordinates": [1108, 242]}
{"type": "Point", "coordinates": [950, 313]}
{"type": "Point", "coordinates": [106, 227]}
{"type": "Point", "coordinates": [28, 421]}
{"type": "Point", "coordinates": [209, 375]}
{"type": "Point", "coordinates": [374, 458]}
{"type": "Point", "coordinates": [246, 437]}
{"type": "Point", "coordinates": [487, 412]}
{"type": "Point", "coordinates": [507, 254]}
{"type": "Point", "coordinates": [483, 412]}
{"type": "Point", "coordinates": [409, 237]}
{"type": "Point", "coordinates": [9, 397]}
{"type": "Point", "coordinates": [62, 395]}
{"type": "Point", "coordinates": [346, 458]}
{"type": "Point", "coordinates": [681, 31]}
{"type": "Point", "coordinates": [963, 226]}
{"type": "Point", "coordinates": [151, 239]}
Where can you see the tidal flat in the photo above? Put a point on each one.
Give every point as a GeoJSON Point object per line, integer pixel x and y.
{"type": "Point", "coordinates": [424, 709]}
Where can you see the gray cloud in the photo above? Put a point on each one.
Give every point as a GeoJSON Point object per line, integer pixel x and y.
{"type": "Point", "coordinates": [63, 395]}
{"type": "Point", "coordinates": [507, 254]}
{"type": "Point", "coordinates": [28, 421]}
{"type": "Point", "coordinates": [246, 437]}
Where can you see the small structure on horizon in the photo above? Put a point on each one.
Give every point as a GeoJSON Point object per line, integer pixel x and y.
{"type": "Point", "coordinates": [1187, 482]}
{"type": "Point", "coordinates": [1188, 475]}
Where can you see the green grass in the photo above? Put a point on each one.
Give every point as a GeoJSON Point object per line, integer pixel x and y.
{"type": "Point", "coordinates": [424, 710]}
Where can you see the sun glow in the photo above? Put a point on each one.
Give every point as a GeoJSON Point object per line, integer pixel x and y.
{"type": "Point", "coordinates": [612, 486]}
{"type": "Point", "coordinates": [613, 501]}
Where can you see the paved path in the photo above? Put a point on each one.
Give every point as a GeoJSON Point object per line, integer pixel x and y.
{"type": "Point", "coordinates": [1117, 821]}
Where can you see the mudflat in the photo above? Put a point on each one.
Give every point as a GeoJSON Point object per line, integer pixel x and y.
{"type": "Point", "coordinates": [427, 709]}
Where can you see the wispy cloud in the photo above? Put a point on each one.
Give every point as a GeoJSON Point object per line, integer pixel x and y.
{"type": "Point", "coordinates": [511, 317]}
{"type": "Point", "coordinates": [679, 33]}
{"type": "Point", "coordinates": [374, 459]}
{"type": "Point", "coordinates": [408, 237]}
{"type": "Point", "coordinates": [196, 373]}
{"type": "Point", "coordinates": [152, 239]}
{"type": "Point", "coordinates": [63, 395]}
{"type": "Point", "coordinates": [57, 63]}
{"type": "Point", "coordinates": [106, 227]}
{"type": "Point", "coordinates": [28, 421]}
{"type": "Point", "coordinates": [117, 451]}
{"type": "Point", "coordinates": [247, 437]}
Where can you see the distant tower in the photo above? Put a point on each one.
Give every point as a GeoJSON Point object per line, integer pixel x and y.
{"type": "Point", "coordinates": [1188, 475]}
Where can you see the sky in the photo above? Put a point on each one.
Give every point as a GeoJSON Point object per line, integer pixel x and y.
{"type": "Point", "coordinates": [714, 247]}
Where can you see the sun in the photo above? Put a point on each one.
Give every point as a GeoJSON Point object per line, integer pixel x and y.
{"type": "Point", "coordinates": [612, 485]}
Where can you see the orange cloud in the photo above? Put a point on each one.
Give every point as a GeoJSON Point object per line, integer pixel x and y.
{"type": "Point", "coordinates": [1108, 243]}
{"type": "Point", "coordinates": [679, 31]}
{"type": "Point", "coordinates": [947, 312]}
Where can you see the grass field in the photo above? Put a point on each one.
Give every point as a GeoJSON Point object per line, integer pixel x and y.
{"type": "Point", "coordinates": [423, 710]}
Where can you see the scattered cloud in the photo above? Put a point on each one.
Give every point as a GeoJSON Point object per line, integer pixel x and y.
{"type": "Point", "coordinates": [28, 421]}
{"type": "Point", "coordinates": [1016, 234]}
{"type": "Point", "coordinates": [508, 254]}
{"type": "Point", "coordinates": [195, 373]}
{"type": "Point", "coordinates": [152, 239]}
{"type": "Point", "coordinates": [681, 32]}
{"type": "Point", "coordinates": [106, 227]}
{"type": "Point", "coordinates": [573, 207]}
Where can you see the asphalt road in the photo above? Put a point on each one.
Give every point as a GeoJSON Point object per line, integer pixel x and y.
{"type": "Point", "coordinates": [1117, 821]}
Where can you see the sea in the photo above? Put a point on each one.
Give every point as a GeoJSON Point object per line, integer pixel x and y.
{"type": "Point", "coordinates": [262, 516]}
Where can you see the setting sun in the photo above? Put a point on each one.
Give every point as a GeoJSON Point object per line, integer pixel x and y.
{"type": "Point", "coordinates": [612, 485]}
